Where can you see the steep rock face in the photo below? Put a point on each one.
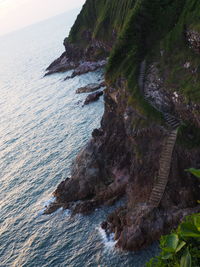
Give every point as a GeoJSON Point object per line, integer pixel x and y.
{"type": "Point", "coordinates": [193, 37]}
{"type": "Point", "coordinates": [122, 157]}
{"type": "Point", "coordinates": [93, 34]}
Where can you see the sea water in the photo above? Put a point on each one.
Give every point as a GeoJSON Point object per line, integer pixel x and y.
{"type": "Point", "coordinates": [42, 128]}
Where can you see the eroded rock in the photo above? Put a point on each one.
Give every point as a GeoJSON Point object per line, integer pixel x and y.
{"type": "Point", "coordinates": [62, 64]}
{"type": "Point", "coordinates": [90, 88]}
{"type": "Point", "coordinates": [87, 66]}
{"type": "Point", "coordinates": [93, 97]}
{"type": "Point", "coordinates": [116, 162]}
{"type": "Point", "coordinates": [193, 38]}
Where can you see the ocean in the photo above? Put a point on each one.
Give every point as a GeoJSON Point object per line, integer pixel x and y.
{"type": "Point", "coordinates": [42, 128]}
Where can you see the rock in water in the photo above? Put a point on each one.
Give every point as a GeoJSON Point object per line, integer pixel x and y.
{"type": "Point", "coordinates": [61, 64]}
{"type": "Point", "coordinates": [87, 66]}
{"type": "Point", "coordinates": [93, 97]}
{"type": "Point", "coordinates": [90, 88]}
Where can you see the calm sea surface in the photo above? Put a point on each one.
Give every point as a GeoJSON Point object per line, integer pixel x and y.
{"type": "Point", "coordinates": [42, 128]}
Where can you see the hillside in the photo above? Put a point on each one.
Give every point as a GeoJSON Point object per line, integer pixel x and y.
{"type": "Point", "coordinates": [150, 130]}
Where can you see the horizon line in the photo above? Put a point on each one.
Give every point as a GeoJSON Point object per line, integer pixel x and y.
{"type": "Point", "coordinates": [38, 22]}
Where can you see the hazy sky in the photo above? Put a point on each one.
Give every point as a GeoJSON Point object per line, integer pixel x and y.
{"type": "Point", "coordinates": [16, 14]}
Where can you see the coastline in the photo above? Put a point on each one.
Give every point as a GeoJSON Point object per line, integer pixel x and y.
{"type": "Point", "coordinates": [123, 156]}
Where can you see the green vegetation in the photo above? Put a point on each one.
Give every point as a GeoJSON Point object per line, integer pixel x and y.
{"type": "Point", "coordinates": [144, 28]}
{"type": "Point", "coordinates": [182, 247]}
{"type": "Point", "coordinates": [147, 25]}
{"type": "Point", "coordinates": [101, 18]}
{"type": "Point", "coordinates": [177, 53]}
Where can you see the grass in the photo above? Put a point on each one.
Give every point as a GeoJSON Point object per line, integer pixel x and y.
{"type": "Point", "coordinates": [101, 18]}
{"type": "Point", "coordinates": [177, 53]}
{"type": "Point", "coordinates": [148, 23]}
{"type": "Point", "coordinates": [144, 28]}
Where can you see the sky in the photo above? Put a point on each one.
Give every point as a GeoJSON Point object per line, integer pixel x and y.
{"type": "Point", "coordinates": [16, 14]}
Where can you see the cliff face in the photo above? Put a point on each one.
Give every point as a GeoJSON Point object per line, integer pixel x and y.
{"type": "Point", "coordinates": [150, 130]}
{"type": "Point", "coordinates": [93, 34]}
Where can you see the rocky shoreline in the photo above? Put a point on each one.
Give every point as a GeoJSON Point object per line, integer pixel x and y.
{"type": "Point", "coordinates": [111, 166]}
{"type": "Point", "coordinates": [122, 157]}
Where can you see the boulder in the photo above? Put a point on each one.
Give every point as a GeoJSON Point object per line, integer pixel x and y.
{"type": "Point", "coordinates": [90, 88]}
{"type": "Point", "coordinates": [93, 97]}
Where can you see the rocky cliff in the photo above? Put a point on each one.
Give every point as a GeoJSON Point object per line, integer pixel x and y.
{"type": "Point", "coordinates": [150, 130]}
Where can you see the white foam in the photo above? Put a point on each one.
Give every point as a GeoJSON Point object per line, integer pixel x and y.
{"type": "Point", "coordinates": [108, 241]}
{"type": "Point", "coordinates": [66, 212]}
{"type": "Point", "coordinates": [46, 204]}
{"type": "Point", "coordinates": [49, 201]}
{"type": "Point", "coordinates": [41, 212]}
{"type": "Point", "coordinates": [58, 210]}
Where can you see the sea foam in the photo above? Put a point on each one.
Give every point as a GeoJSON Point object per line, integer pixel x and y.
{"type": "Point", "coordinates": [108, 240]}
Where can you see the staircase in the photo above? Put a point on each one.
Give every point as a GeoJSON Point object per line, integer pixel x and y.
{"type": "Point", "coordinates": [171, 121]}
{"type": "Point", "coordinates": [164, 169]}
{"type": "Point", "coordinates": [142, 75]}
{"type": "Point", "coordinates": [167, 150]}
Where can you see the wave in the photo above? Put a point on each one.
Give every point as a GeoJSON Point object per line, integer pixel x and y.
{"type": "Point", "coordinates": [108, 239]}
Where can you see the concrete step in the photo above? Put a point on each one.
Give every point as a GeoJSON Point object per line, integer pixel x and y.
{"type": "Point", "coordinates": [171, 120]}
{"type": "Point", "coordinates": [164, 170]}
{"type": "Point", "coordinates": [164, 174]}
{"type": "Point", "coordinates": [159, 188]}
{"type": "Point", "coordinates": [164, 166]}
{"type": "Point", "coordinates": [158, 191]}
{"type": "Point", "coordinates": [172, 123]}
{"type": "Point", "coordinates": [162, 179]}
{"type": "Point", "coordinates": [171, 141]}
{"type": "Point", "coordinates": [162, 185]}
{"type": "Point", "coordinates": [156, 197]}
{"type": "Point", "coordinates": [155, 201]}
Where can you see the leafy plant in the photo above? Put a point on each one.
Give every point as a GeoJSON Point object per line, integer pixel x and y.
{"type": "Point", "coordinates": [181, 248]}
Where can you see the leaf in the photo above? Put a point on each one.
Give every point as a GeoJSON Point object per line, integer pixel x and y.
{"type": "Point", "coordinates": [186, 260]}
{"type": "Point", "coordinates": [180, 246]}
{"type": "Point", "coordinates": [171, 242]}
{"type": "Point", "coordinates": [166, 255]}
{"type": "Point", "coordinates": [197, 222]}
{"type": "Point", "coordinates": [194, 172]}
{"type": "Point", "coordinates": [188, 229]}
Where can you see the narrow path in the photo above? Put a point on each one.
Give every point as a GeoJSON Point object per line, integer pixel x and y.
{"type": "Point", "coordinates": [167, 150]}
{"type": "Point", "coordinates": [164, 169]}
